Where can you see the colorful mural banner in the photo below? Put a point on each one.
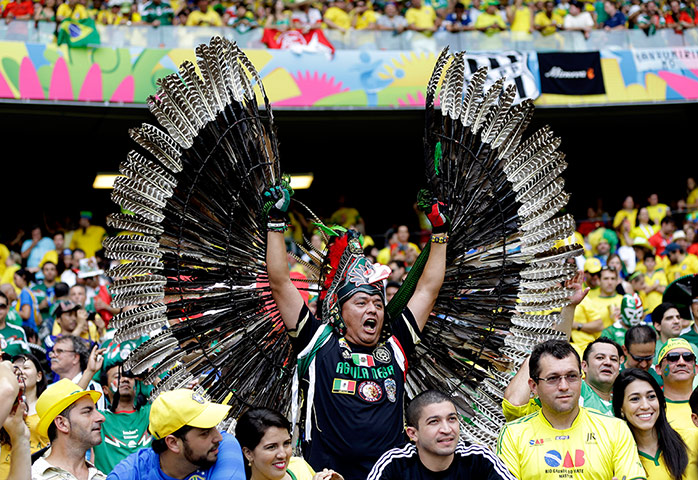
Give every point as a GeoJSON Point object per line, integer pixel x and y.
{"type": "Point", "coordinates": [348, 79]}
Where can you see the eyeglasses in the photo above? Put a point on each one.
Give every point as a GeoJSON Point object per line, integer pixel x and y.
{"type": "Point", "coordinates": [674, 357]}
{"type": "Point", "coordinates": [556, 379]}
{"type": "Point", "coordinates": [3, 305]}
{"type": "Point", "coordinates": [58, 351]}
{"type": "Point", "coordinates": [638, 359]}
{"type": "Point", "coordinates": [608, 268]}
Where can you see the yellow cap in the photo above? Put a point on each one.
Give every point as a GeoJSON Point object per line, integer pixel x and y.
{"type": "Point", "coordinates": [56, 398]}
{"type": "Point", "coordinates": [673, 344]}
{"type": "Point", "coordinates": [173, 410]}
{"type": "Point", "coordinates": [592, 265]}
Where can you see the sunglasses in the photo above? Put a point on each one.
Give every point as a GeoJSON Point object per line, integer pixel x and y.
{"type": "Point", "coordinates": [3, 305]}
{"type": "Point", "coordinates": [674, 357]}
{"type": "Point", "coordinates": [639, 359]}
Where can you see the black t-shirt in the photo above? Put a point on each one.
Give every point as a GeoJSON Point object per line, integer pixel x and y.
{"type": "Point", "coordinates": [357, 396]}
{"type": "Point", "coordinates": [469, 461]}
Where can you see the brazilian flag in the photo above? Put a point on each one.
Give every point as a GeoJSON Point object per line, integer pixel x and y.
{"type": "Point", "coordinates": [78, 33]}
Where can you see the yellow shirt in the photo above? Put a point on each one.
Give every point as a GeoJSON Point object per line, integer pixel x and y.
{"type": "Point", "coordinates": [199, 19]}
{"type": "Point", "coordinates": [656, 466]}
{"type": "Point", "coordinates": [652, 299]}
{"type": "Point", "coordinates": [90, 241]}
{"type": "Point", "coordinates": [688, 266]}
{"type": "Point", "coordinates": [485, 20]}
{"type": "Point", "coordinates": [679, 415]}
{"type": "Point", "coordinates": [542, 20]}
{"type": "Point", "coordinates": [36, 441]}
{"type": "Point", "coordinates": [78, 12]}
{"type": "Point", "coordinates": [522, 22]}
{"type": "Point", "coordinates": [657, 212]}
{"type": "Point", "coordinates": [364, 19]}
{"type": "Point", "coordinates": [595, 447]}
{"type": "Point", "coordinates": [586, 312]}
{"type": "Point", "coordinates": [622, 214]}
{"type": "Point", "coordinates": [338, 16]}
{"type": "Point", "coordinates": [92, 335]}
{"type": "Point", "coordinates": [423, 17]}
{"type": "Point", "coordinates": [643, 231]}
{"type": "Point", "coordinates": [604, 304]}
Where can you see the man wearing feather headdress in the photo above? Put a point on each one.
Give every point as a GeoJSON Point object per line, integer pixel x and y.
{"type": "Point", "coordinates": [352, 384]}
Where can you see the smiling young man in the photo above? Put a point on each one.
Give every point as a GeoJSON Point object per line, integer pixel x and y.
{"type": "Point", "coordinates": [562, 439]}
{"type": "Point", "coordinates": [436, 450]}
{"type": "Point", "coordinates": [352, 364]}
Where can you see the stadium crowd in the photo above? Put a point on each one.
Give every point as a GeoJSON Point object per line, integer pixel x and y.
{"type": "Point", "coordinates": [424, 16]}
{"type": "Point", "coordinates": [617, 399]}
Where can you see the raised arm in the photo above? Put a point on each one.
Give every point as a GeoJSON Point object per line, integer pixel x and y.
{"type": "Point", "coordinates": [422, 302]}
{"type": "Point", "coordinates": [283, 291]}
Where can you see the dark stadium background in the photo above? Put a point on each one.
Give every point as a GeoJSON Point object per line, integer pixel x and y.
{"type": "Point", "coordinates": [52, 153]}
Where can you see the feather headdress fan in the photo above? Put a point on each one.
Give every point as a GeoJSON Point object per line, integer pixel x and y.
{"type": "Point", "coordinates": [193, 274]}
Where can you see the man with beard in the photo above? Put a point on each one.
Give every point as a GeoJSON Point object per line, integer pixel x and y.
{"type": "Point", "coordinates": [186, 442]}
{"type": "Point", "coordinates": [69, 417]}
{"type": "Point", "coordinates": [437, 451]}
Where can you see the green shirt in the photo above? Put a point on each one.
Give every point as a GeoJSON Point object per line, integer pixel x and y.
{"type": "Point", "coordinates": [615, 332]}
{"type": "Point", "coordinates": [122, 434]}
{"type": "Point", "coordinates": [590, 399]}
{"type": "Point", "coordinates": [13, 341]}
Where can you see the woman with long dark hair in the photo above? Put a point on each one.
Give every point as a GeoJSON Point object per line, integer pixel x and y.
{"type": "Point", "coordinates": [265, 438]}
{"type": "Point", "coordinates": [638, 399]}
{"type": "Point", "coordinates": [35, 382]}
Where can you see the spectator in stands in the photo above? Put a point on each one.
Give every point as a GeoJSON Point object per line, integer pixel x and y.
{"type": "Point", "coordinates": [27, 305]}
{"type": "Point", "coordinates": [45, 290]}
{"type": "Point", "coordinates": [336, 17]}
{"type": "Point", "coordinates": [265, 438]}
{"type": "Point", "coordinates": [436, 450]}
{"type": "Point", "coordinates": [203, 16]}
{"type": "Point", "coordinates": [666, 320]}
{"type": "Point", "coordinates": [680, 263]}
{"type": "Point", "coordinates": [474, 10]}
{"type": "Point", "coordinates": [421, 18]}
{"type": "Point", "coordinates": [628, 210]}
{"type": "Point", "coordinates": [640, 341]}
{"type": "Point", "coordinates": [651, 19]}
{"type": "Point", "coordinates": [690, 202]}
{"type": "Point", "coordinates": [403, 249]}
{"type": "Point", "coordinates": [390, 290]}
{"type": "Point", "coordinates": [185, 441]}
{"type": "Point", "coordinates": [69, 417]}
{"type": "Point", "coordinates": [547, 21]}
{"type": "Point", "coordinates": [362, 16]}
{"type": "Point", "coordinates": [639, 400]}
{"type": "Point", "coordinates": [35, 382]}
{"type": "Point", "coordinates": [18, 10]}
{"type": "Point", "coordinates": [15, 460]}
{"type": "Point", "coordinates": [677, 18]}
{"type": "Point", "coordinates": [398, 271]}
{"type": "Point", "coordinates": [657, 210]}
{"type": "Point", "coordinates": [458, 20]}
{"type": "Point", "coordinates": [45, 12]}
{"type": "Point", "coordinates": [631, 313]}
{"type": "Point", "coordinates": [556, 380]}
{"type": "Point", "coordinates": [243, 21]}
{"type": "Point", "coordinates": [13, 316]}
{"type": "Point", "coordinates": [391, 19]}
{"type": "Point", "coordinates": [616, 21]}
{"type": "Point", "coordinates": [600, 363]}
{"type": "Point", "coordinates": [93, 10]}
{"type": "Point", "coordinates": [520, 17]}
{"type": "Point", "coordinates": [676, 364]}
{"type": "Point", "coordinates": [70, 359]}
{"type": "Point", "coordinates": [490, 21]}
{"type": "Point", "coordinates": [662, 238]}
{"type": "Point", "coordinates": [34, 249]}
{"type": "Point", "coordinates": [70, 275]}
{"type": "Point", "coordinates": [158, 12]}
{"type": "Point", "coordinates": [655, 283]}
{"type": "Point", "coordinates": [73, 319]}
{"type": "Point", "coordinates": [644, 228]}
{"type": "Point", "coordinates": [72, 10]}
{"type": "Point", "coordinates": [126, 420]}
{"type": "Point", "coordinates": [13, 340]}
{"type": "Point", "coordinates": [306, 17]}
{"type": "Point", "coordinates": [278, 18]}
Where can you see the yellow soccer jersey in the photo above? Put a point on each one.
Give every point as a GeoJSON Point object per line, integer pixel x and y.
{"type": "Point", "coordinates": [604, 304]}
{"type": "Point", "coordinates": [586, 312]}
{"type": "Point", "coordinates": [655, 466]}
{"type": "Point", "coordinates": [654, 298]}
{"type": "Point", "coordinates": [678, 413]}
{"type": "Point", "coordinates": [657, 212]}
{"type": "Point", "coordinates": [643, 231]}
{"type": "Point", "coordinates": [512, 412]}
{"type": "Point", "coordinates": [688, 266]}
{"type": "Point", "coordinates": [595, 447]}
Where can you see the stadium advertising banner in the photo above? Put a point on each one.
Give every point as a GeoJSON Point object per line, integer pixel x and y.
{"type": "Point", "coordinates": [349, 78]}
{"type": "Point", "coordinates": [571, 73]}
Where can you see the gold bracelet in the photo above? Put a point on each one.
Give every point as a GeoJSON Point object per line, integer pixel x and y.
{"type": "Point", "coordinates": [439, 239]}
